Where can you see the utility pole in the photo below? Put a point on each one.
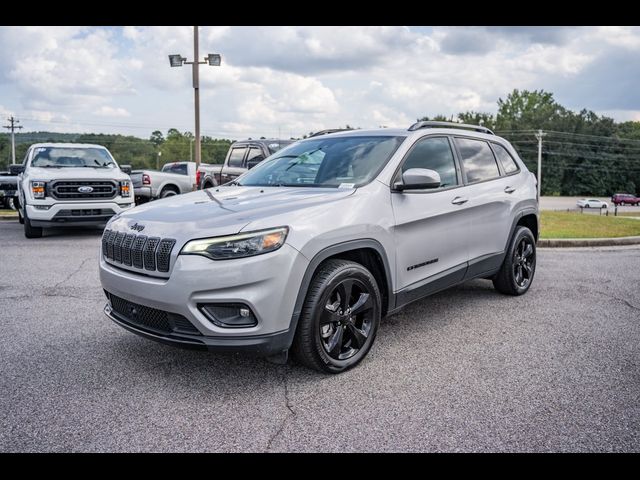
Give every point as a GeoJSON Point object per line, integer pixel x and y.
{"type": "Point", "coordinates": [158, 160]}
{"type": "Point", "coordinates": [13, 125]}
{"type": "Point", "coordinates": [539, 136]}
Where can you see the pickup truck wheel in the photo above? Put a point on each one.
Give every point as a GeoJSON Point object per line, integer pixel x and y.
{"type": "Point", "coordinates": [30, 231]}
{"type": "Point", "coordinates": [168, 192]}
{"type": "Point", "coordinates": [339, 319]}
{"type": "Point", "coordinates": [519, 265]}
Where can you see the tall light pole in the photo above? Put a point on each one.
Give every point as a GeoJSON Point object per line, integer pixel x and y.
{"type": "Point", "coordinates": [212, 59]}
{"type": "Point", "coordinates": [13, 125]}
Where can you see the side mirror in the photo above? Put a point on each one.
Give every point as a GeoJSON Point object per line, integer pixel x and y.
{"type": "Point", "coordinates": [418, 179]}
{"type": "Point", "coordinates": [16, 168]}
{"type": "Point", "coordinates": [126, 169]}
{"type": "Point", "coordinates": [253, 162]}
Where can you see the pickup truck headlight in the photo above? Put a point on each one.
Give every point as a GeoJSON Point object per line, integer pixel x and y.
{"type": "Point", "coordinates": [125, 188]}
{"type": "Point", "coordinates": [38, 189]}
{"type": "Point", "coordinates": [237, 246]}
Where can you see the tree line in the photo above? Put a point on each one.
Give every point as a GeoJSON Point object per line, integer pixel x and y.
{"type": "Point", "coordinates": [127, 150]}
{"type": "Point", "coordinates": [583, 153]}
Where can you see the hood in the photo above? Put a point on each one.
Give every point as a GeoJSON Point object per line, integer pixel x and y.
{"type": "Point", "coordinates": [48, 174]}
{"type": "Point", "coordinates": [220, 211]}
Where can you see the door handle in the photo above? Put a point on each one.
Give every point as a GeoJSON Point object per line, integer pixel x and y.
{"type": "Point", "coordinates": [459, 200]}
{"type": "Point", "coordinates": [509, 190]}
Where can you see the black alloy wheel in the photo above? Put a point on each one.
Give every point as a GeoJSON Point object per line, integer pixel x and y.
{"type": "Point", "coordinates": [524, 262]}
{"type": "Point", "coordinates": [346, 320]}
{"type": "Point", "coordinates": [339, 318]}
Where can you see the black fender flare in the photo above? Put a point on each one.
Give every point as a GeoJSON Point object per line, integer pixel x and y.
{"type": "Point", "coordinates": [331, 251]}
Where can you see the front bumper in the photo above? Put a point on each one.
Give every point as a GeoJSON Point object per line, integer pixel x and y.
{"type": "Point", "coordinates": [268, 284]}
{"type": "Point", "coordinates": [76, 213]}
{"type": "Point", "coordinates": [260, 345]}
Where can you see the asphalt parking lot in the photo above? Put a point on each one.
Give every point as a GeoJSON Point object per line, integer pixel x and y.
{"type": "Point", "coordinates": [465, 370]}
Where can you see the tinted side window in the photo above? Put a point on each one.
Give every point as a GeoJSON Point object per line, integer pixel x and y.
{"type": "Point", "coordinates": [236, 156]}
{"type": "Point", "coordinates": [434, 154]}
{"type": "Point", "coordinates": [507, 161]}
{"type": "Point", "coordinates": [477, 159]}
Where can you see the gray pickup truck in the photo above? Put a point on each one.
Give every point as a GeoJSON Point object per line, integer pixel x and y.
{"type": "Point", "coordinates": [242, 156]}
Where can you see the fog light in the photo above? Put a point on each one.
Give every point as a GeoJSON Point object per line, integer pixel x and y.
{"type": "Point", "coordinates": [229, 315]}
{"type": "Point", "coordinates": [42, 207]}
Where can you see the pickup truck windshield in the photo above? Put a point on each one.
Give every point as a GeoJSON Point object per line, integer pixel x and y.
{"type": "Point", "coordinates": [61, 157]}
{"type": "Point", "coordinates": [325, 162]}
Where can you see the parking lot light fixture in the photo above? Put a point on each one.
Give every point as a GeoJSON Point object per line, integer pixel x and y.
{"type": "Point", "coordinates": [214, 59]}
{"type": "Point", "coordinates": [176, 60]}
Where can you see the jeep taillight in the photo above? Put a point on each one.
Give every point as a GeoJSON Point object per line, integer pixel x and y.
{"type": "Point", "coordinates": [146, 179]}
{"type": "Point", "coordinates": [38, 189]}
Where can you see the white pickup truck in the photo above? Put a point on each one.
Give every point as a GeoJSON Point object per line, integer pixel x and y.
{"type": "Point", "coordinates": [61, 184]}
{"type": "Point", "coordinates": [174, 178]}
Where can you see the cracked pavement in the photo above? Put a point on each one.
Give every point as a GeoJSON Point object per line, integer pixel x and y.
{"type": "Point", "coordinates": [465, 370]}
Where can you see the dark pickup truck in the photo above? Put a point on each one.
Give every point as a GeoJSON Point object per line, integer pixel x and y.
{"type": "Point", "coordinates": [242, 156]}
{"type": "Point", "coordinates": [8, 188]}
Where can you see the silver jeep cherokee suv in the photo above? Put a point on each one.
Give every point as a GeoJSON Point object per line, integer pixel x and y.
{"type": "Point", "coordinates": [308, 250]}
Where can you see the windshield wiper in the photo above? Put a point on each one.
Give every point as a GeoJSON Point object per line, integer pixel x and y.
{"type": "Point", "coordinates": [233, 183]}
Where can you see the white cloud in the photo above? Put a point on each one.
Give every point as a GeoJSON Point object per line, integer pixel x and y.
{"type": "Point", "coordinates": [107, 111]}
{"type": "Point", "coordinates": [298, 79]}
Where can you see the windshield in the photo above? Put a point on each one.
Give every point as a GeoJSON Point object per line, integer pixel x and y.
{"type": "Point", "coordinates": [60, 157]}
{"type": "Point", "coordinates": [349, 161]}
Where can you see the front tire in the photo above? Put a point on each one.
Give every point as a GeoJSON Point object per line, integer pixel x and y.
{"type": "Point", "coordinates": [519, 266]}
{"type": "Point", "coordinates": [339, 319]}
{"type": "Point", "coordinates": [29, 230]}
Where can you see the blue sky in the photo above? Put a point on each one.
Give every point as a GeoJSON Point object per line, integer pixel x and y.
{"type": "Point", "coordinates": [292, 80]}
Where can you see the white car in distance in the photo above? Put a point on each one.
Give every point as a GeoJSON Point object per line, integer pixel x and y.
{"type": "Point", "coordinates": [592, 203]}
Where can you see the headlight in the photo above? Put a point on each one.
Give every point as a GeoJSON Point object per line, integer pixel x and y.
{"type": "Point", "coordinates": [125, 188]}
{"type": "Point", "coordinates": [238, 246]}
{"type": "Point", "coordinates": [38, 189]}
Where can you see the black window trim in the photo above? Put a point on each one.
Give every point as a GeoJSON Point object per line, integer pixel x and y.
{"type": "Point", "coordinates": [249, 147]}
{"type": "Point", "coordinates": [456, 162]}
{"type": "Point", "coordinates": [464, 173]}
{"type": "Point", "coordinates": [503, 173]}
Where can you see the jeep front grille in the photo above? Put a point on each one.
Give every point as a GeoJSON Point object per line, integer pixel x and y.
{"type": "Point", "coordinates": [139, 251]}
{"type": "Point", "coordinates": [70, 190]}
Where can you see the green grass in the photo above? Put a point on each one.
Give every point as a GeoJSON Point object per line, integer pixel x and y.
{"type": "Point", "coordinates": [577, 225]}
{"type": "Point", "coordinates": [4, 211]}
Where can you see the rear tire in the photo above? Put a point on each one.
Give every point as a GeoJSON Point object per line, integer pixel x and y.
{"type": "Point", "coordinates": [168, 192]}
{"type": "Point", "coordinates": [29, 230]}
{"type": "Point", "coordinates": [519, 266]}
{"type": "Point", "coordinates": [339, 319]}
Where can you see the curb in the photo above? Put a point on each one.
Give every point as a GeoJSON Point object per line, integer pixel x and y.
{"type": "Point", "coordinates": [8, 217]}
{"type": "Point", "coordinates": [587, 242]}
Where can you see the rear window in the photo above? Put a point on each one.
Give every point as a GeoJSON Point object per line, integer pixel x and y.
{"type": "Point", "coordinates": [179, 168]}
{"type": "Point", "coordinates": [477, 159]}
{"type": "Point", "coordinates": [508, 163]}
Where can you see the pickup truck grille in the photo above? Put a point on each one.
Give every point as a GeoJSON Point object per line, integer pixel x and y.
{"type": "Point", "coordinates": [71, 190]}
{"type": "Point", "coordinates": [139, 251]}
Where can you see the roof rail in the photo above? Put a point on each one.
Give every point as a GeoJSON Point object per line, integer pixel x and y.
{"type": "Point", "coordinates": [434, 124]}
{"type": "Point", "coordinates": [329, 130]}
